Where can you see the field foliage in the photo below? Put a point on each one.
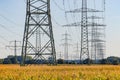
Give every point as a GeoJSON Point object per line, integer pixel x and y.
{"type": "Point", "coordinates": [60, 72]}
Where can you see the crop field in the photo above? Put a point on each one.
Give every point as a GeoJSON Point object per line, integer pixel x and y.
{"type": "Point", "coordinates": [60, 72]}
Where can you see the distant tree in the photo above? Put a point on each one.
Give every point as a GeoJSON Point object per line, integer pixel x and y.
{"type": "Point", "coordinates": [60, 61]}
{"type": "Point", "coordinates": [87, 61]}
{"type": "Point", "coordinates": [7, 61]}
{"type": "Point", "coordinates": [50, 60]}
{"type": "Point", "coordinates": [13, 60]}
{"type": "Point", "coordinates": [115, 62]}
{"type": "Point", "coordinates": [1, 61]}
{"type": "Point", "coordinates": [72, 62]}
{"type": "Point", "coordinates": [104, 61]}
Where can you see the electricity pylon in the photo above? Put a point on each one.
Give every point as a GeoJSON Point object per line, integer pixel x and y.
{"type": "Point", "coordinates": [84, 33]}
{"type": "Point", "coordinates": [77, 51]}
{"type": "Point", "coordinates": [86, 26]}
{"type": "Point", "coordinates": [84, 53]}
{"type": "Point", "coordinates": [41, 9]}
{"type": "Point", "coordinates": [15, 48]}
{"type": "Point", "coordinates": [66, 46]}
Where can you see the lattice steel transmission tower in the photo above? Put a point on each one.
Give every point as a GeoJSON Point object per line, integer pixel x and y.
{"type": "Point", "coordinates": [84, 32]}
{"type": "Point", "coordinates": [66, 45]}
{"type": "Point", "coordinates": [38, 18]}
{"type": "Point", "coordinates": [92, 30]}
{"type": "Point", "coordinates": [77, 51]}
{"type": "Point", "coordinates": [84, 53]}
{"type": "Point", "coordinates": [15, 47]}
{"type": "Point", "coordinates": [98, 34]}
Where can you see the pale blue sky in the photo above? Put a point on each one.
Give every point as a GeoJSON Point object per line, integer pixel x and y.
{"type": "Point", "coordinates": [12, 16]}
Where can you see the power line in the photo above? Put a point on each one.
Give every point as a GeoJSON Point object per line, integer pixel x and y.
{"type": "Point", "coordinates": [58, 6]}
{"type": "Point", "coordinates": [66, 45]}
{"type": "Point", "coordinates": [1, 25]}
{"type": "Point", "coordinates": [53, 19]}
{"type": "Point", "coordinates": [15, 46]}
{"type": "Point", "coordinates": [3, 38]}
{"type": "Point", "coordinates": [4, 17]}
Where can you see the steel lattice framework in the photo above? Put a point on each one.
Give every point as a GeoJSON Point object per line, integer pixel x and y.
{"type": "Point", "coordinates": [38, 18]}
{"type": "Point", "coordinates": [84, 32]}
{"type": "Point", "coordinates": [92, 31]}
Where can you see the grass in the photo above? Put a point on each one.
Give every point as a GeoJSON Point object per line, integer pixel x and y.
{"type": "Point", "coordinates": [60, 72]}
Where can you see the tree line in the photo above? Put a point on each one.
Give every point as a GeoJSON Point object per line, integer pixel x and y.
{"type": "Point", "coordinates": [109, 60]}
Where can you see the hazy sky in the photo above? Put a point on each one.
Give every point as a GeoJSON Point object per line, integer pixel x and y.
{"type": "Point", "coordinates": [12, 18]}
